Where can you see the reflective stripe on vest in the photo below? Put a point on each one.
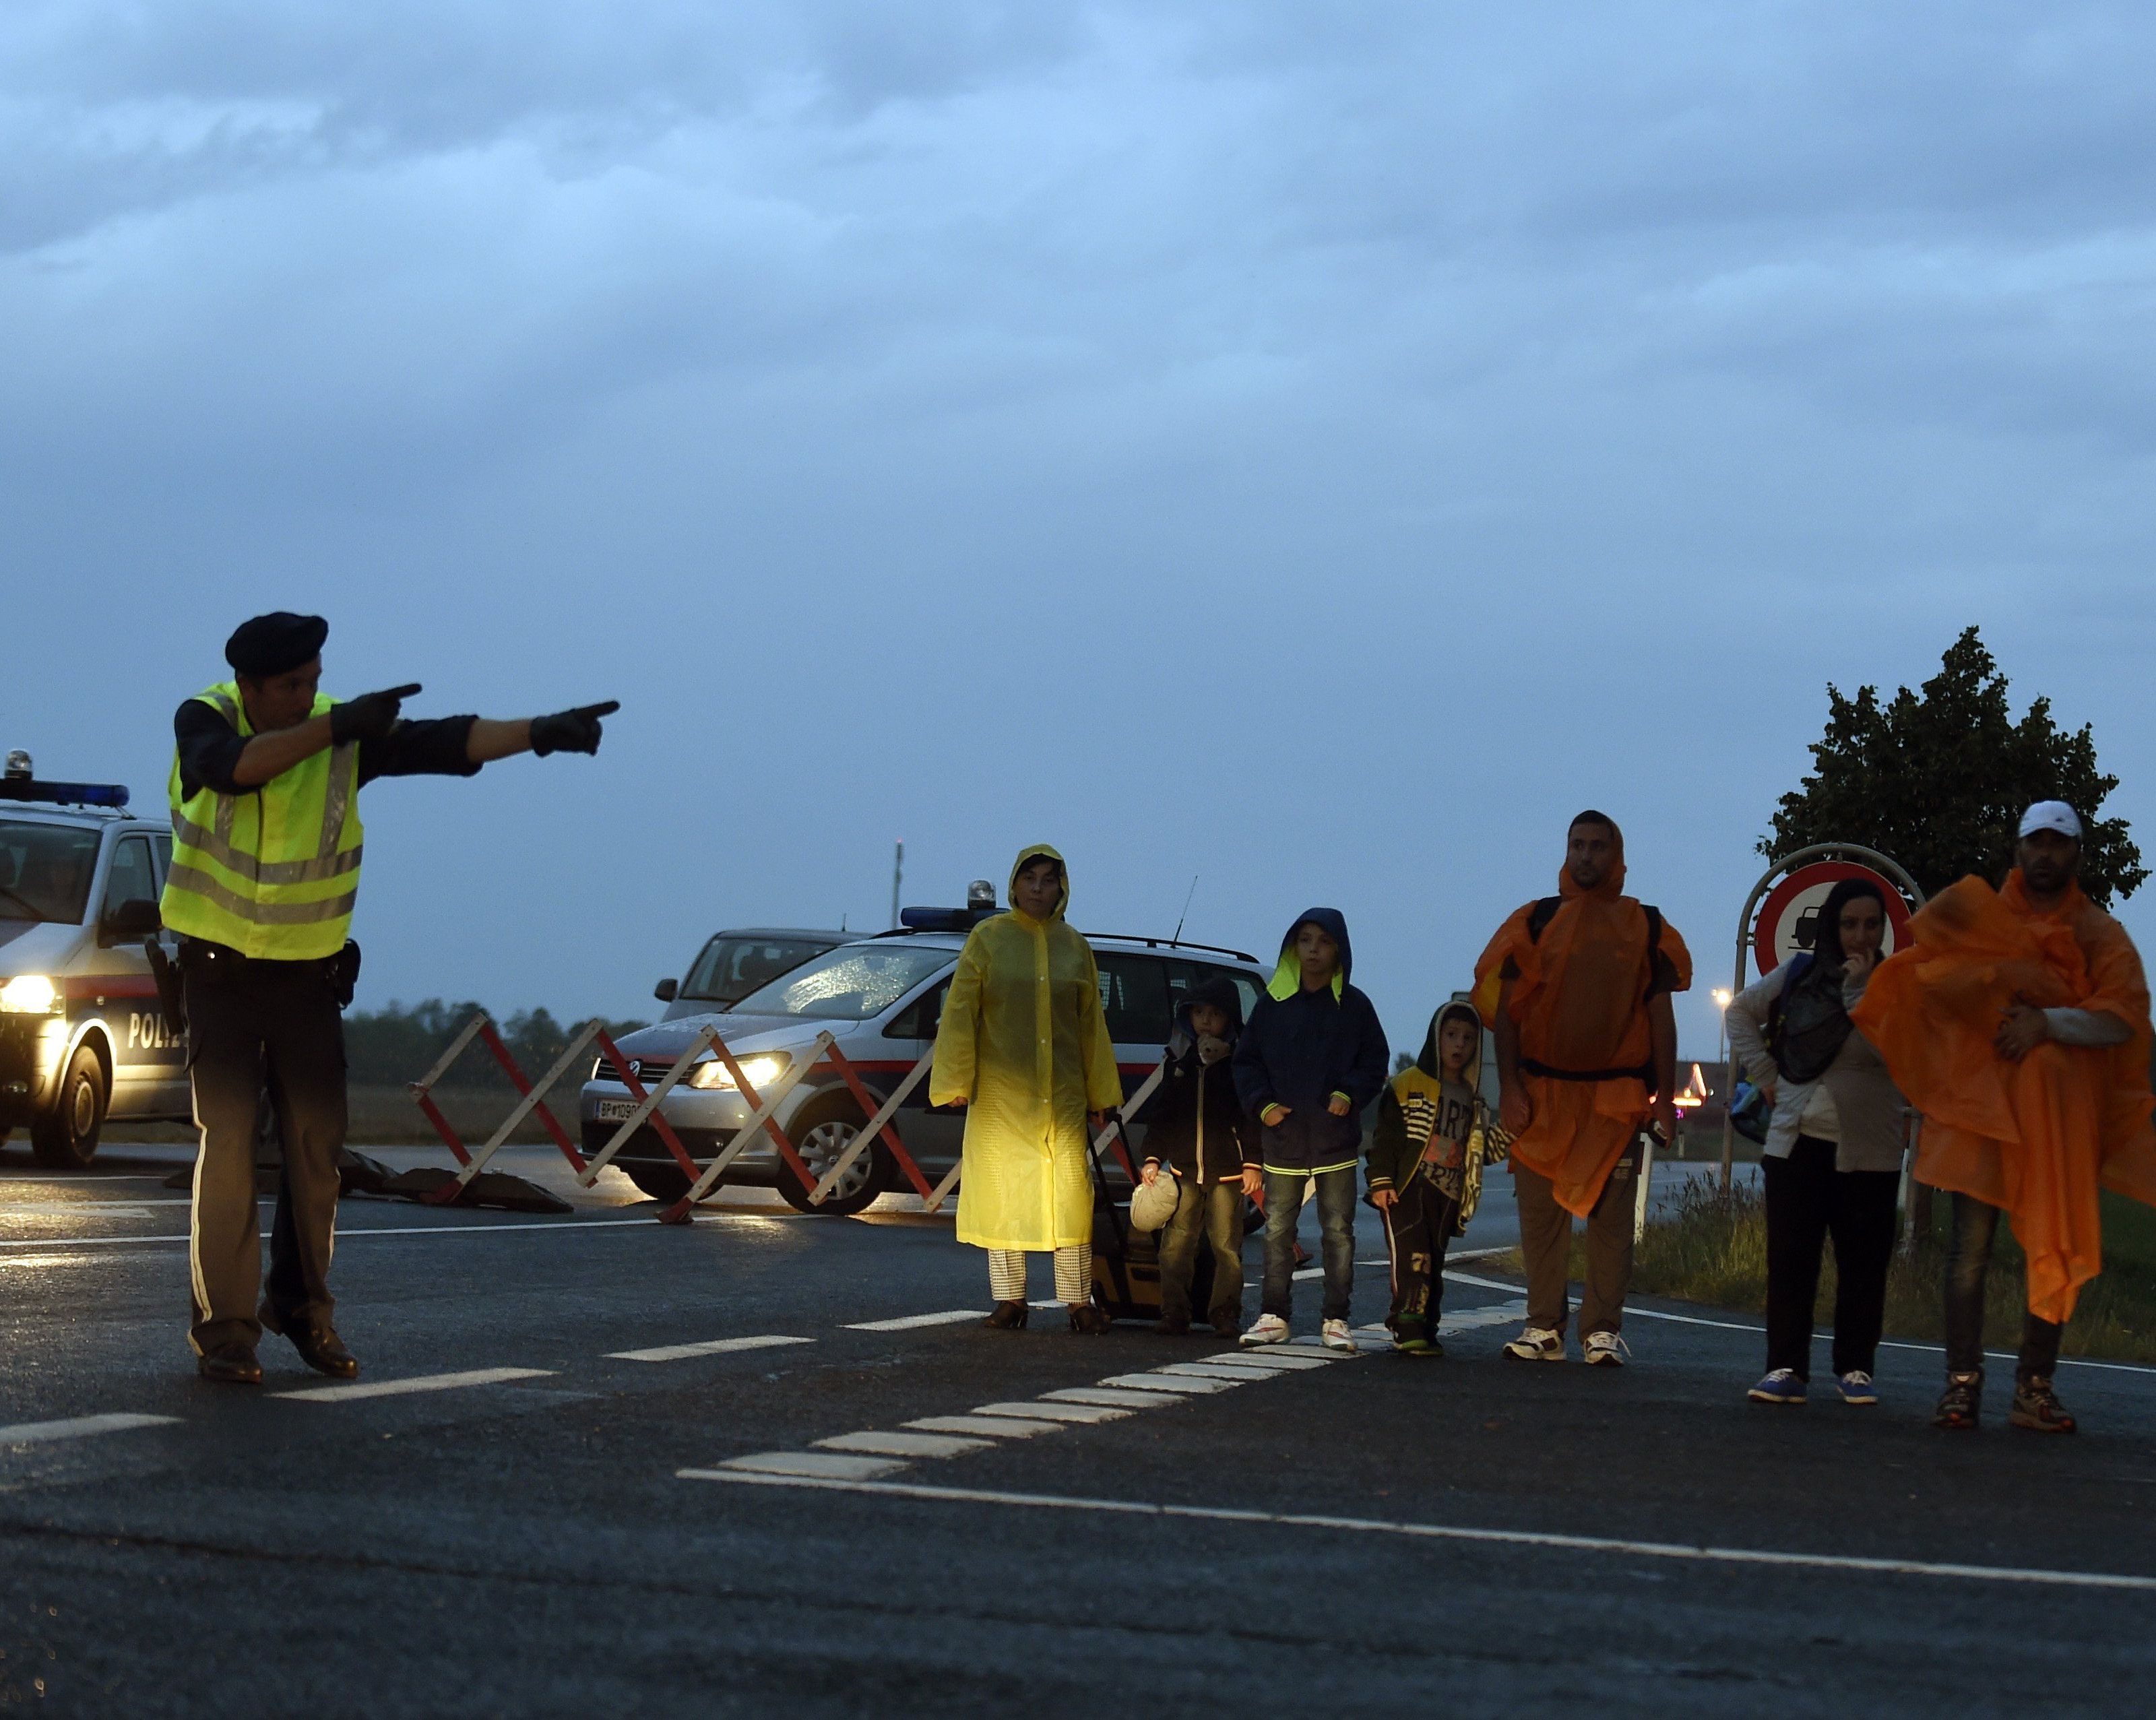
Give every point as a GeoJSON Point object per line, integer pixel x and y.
{"type": "Point", "coordinates": [272, 872]}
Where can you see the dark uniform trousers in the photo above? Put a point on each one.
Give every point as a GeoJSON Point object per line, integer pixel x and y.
{"type": "Point", "coordinates": [1418, 1226]}
{"type": "Point", "coordinates": [255, 1025]}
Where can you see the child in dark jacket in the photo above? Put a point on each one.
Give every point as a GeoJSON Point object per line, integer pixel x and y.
{"type": "Point", "coordinates": [1199, 1131]}
{"type": "Point", "coordinates": [1311, 1058]}
{"type": "Point", "coordinates": [1433, 1132]}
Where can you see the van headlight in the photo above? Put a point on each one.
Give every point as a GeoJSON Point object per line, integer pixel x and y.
{"type": "Point", "coordinates": [711, 1074]}
{"type": "Point", "coordinates": [33, 994]}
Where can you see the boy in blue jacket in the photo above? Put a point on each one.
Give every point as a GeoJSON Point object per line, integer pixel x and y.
{"type": "Point", "coordinates": [1310, 1059]}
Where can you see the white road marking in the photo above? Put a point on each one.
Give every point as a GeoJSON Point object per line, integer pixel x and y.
{"type": "Point", "coordinates": [1270, 1360]}
{"type": "Point", "coordinates": [949, 1316]}
{"type": "Point", "coordinates": [78, 1209]}
{"type": "Point", "coordinates": [1316, 1352]}
{"type": "Point", "coordinates": [995, 1427]}
{"type": "Point", "coordinates": [1885, 1343]}
{"type": "Point", "coordinates": [1189, 1384]}
{"type": "Point", "coordinates": [511, 1228]}
{"type": "Point", "coordinates": [1228, 1374]}
{"type": "Point", "coordinates": [903, 1444]}
{"type": "Point", "coordinates": [1510, 1538]}
{"type": "Point", "coordinates": [1468, 1319]}
{"type": "Point", "coordinates": [417, 1383]}
{"type": "Point", "coordinates": [713, 1347]}
{"type": "Point", "coordinates": [1090, 1414]}
{"type": "Point", "coordinates": [45, 1259]}
{"type": "Point", "coordinates": [39, 1432]}
{"type": "Point", "coordinates": [808, 1469]}
{"type": "Point", "coordinates": [1110, 1396]}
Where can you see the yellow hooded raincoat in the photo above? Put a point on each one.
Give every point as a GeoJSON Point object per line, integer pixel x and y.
{"type": "Point", "coordinates": [1023, 1042]}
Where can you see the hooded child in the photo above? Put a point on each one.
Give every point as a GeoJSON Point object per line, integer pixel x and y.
{"type": "Point", "coordinates": [1577, 986]}
{"type": "Point", "coordinates": [2017, 1022]}
{"type": "Point", "coordinates": [1200, 1133]}
{"type": "Point", "coordinates": [1432, 1135]}
{"type": "Point", "coordinates": [1024, 1047]}
{"type": "Point", "coordinates": [1311, 1058]}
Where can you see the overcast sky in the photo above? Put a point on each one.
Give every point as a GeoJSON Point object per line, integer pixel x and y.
{"type": "Point", "coordinates": [1315, 449]}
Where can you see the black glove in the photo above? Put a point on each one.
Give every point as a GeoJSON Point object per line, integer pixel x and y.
{"type": "Point", "coordinates": [576, 731]}
{"type": "Point", "coordinates": [368, 717]}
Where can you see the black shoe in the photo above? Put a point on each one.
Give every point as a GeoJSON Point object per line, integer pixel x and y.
{"type": "Point", "coordinates": [1173, 1326]}
{"type": "Point", "coordinates": [318, 1344]}
{"type": "Point", "coordinates": [1009, 1316]}
{"type": "Point", "coordinates": [1086, 1318]}
{"type": "Point", "coordinates": [229, 1364]}
{"type": "Point", "coordinates": [1228, 1326]}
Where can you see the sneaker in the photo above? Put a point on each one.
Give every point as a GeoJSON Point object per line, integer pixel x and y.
{"type": "Point", "coordinates": [1537, 1343]}
{"type": "Point", "coordinates": [1334, 1335]}
{"type": "Point", "coordinates": [1604, 1349]}
{"type": "Point", "coordinates": [1410, 1341]}
{"type": "Point", "coordinates": [1857, 1387]}
{"type": "Point", "coordinates": [2037, 1408]}
{"type": "Point", "coordinates": [1959, 1404]}
{"type": "Point", "coordinates": [1270, 1329]}
{"type": "Point", "coordinates": [1780, 1386]}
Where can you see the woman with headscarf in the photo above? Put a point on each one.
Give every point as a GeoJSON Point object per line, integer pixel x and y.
{"type": "Point", "coordinates": [1833, 1156]}
{"type": "Point", "coordinates": [1024, 1046]}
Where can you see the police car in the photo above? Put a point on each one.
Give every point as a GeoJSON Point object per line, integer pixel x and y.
{"type": "Point", "coordinates": [82, 1039]}
{"type": "Point", "coordinates": [881, 998]}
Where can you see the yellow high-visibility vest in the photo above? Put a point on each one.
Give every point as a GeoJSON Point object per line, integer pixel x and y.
{"type": "Point", "coordinates": [272, 871]}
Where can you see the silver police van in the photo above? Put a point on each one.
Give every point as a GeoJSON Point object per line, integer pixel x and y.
{"type": "Point", "coordinates": [82, 1037]}
{"type": "Point", "coordinates": [881, 998]}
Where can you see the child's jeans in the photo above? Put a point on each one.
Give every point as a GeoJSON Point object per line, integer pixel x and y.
{"type": "Point", "coordinates": [1336, 1221]}
{"type": "Point", "coordinates": [1215, 1212]}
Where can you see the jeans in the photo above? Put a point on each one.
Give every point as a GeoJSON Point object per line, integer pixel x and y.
{"type": "Point", "coordinates": [1975, 1223]}
{"type": "Point", "coordinates": [1335, 1220]}
{"type": "Point", "coordinates": [1807, 1200]}
{"type": "Point", "coordinates": [1215, 1212]}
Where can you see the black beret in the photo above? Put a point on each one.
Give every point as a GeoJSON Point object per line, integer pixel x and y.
{"type": "Point", "coordinates": [270, 644]}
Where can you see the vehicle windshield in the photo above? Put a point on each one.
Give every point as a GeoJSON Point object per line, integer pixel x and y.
{"type": "Point", "coordinates": [45, 870]}
{"type": "Point", "coordinates": [730, 968]}
{"type": "Point", "coordinates": [849, 983]}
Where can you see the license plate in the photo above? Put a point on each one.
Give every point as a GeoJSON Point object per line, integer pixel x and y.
{"type": "Point", "coordinates": [616, 1110]}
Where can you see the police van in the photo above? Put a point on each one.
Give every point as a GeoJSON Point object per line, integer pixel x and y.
{"type": "Point", "coordinates": [82, 1039]}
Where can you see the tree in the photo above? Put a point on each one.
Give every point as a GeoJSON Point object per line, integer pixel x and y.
{"type": "Point", "coordinates": [1937, 780]}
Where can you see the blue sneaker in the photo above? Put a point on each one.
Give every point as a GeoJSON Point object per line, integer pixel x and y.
{"type": "Point", "coordinates": [1857, 1387]}
{"type": "Point", "coordinates": [1780, 1386]}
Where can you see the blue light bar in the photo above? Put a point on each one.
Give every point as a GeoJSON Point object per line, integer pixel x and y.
{"type": "Point", "coordinates": [63, 793]}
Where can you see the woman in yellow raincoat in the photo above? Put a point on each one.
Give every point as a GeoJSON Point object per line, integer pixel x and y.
{"type": "Point", "coordinates": [1024, 1046]}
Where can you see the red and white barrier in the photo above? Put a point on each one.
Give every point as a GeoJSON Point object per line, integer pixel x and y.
{"type": "Point", "coordinates": [532, 1098]}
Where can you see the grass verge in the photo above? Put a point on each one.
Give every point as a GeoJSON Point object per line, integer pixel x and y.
{"type": "Point", "coordinates": [1703, 1246]}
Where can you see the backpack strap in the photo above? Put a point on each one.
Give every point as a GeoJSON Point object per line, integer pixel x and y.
{"type": "Point", "coordinates": [1544, 912]}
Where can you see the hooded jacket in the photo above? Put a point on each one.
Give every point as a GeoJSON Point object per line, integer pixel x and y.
{"type": "Point", "coordinates": [1413, 1106]}
{"type": "Point", "coordinates": [1198, 1125]}
{"type": "Point", "coordinates": [1301, 1047]}
{"type": "Point", "coordinates": [1023, 1040]}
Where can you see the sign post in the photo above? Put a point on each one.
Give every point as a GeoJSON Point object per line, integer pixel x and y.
{"type": "Point", "coordinates": [1794, 889]}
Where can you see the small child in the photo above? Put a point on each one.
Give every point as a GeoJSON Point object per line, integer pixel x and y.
{"type": "Point", "coordinates": [1431, 1136]}
{"type": "Point", "coordinates": [1198, 1129]}
{"type": "Point", "coordinates": [1313, 1056]}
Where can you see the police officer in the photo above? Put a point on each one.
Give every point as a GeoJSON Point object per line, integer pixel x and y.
{"type": "Point", "coordinates": [266, 843]}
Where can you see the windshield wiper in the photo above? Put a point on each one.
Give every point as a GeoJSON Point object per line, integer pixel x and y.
{"type": "Point", "coordinates": [36, 913]}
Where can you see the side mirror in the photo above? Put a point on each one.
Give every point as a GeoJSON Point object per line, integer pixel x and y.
{"type": "Point", "coordinates": [138, 918]}
{"type": "Point", "coordinates": [666, 991]}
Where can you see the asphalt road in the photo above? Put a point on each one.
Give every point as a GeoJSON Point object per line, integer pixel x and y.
{"type": "Point", "coordinates": [541, 1521]}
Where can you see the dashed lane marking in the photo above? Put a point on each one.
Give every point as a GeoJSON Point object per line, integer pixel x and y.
{"type": "Point", "coordinates": [1037, 1410]}
{"type": "Point", "coordinates": [995, 1427]}
{"type": "Point", "coordinates": [1269, 1359]}
{"type": "Point", "coordinates": [903, 1444]}
{"type": "Point", "coordinates": [1111, 1397]}
{"type": "Point", "coordinates": [809, 1468]}
{"type": "Point", "coordinates": [1235, 1374]}
{"type": "Point", "coordinates": [39, 1432]}
{"type": "Point", "coordinates": [713, 1347]}
{"type": "Point", "coordinates": [1449, 1531]}
{"type": "Point", "coordinates": [417, 1383]}
{"type": "Point", "coordinates": [949, 1316]}
{"type": "Point", "coordinates": [1189, 1384]}
{"type": "Point", "coordinates": [1468, 1319]}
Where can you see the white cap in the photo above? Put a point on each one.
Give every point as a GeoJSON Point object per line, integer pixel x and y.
{"type": "Point", "coordinates": [2052, 815]}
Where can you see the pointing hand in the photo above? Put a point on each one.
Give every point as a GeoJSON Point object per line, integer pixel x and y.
{"type": "Point", "coordinates": [370, 717]}
{"type": "Point", "coordinates": [575, 731]}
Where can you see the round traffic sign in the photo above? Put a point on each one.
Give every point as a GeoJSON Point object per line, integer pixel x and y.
{"type": "Point", "coordinates": [1788, 920]}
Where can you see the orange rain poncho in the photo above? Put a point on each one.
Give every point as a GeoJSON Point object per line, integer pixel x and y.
{"type": "Point", "coordinates": [1022, 1039]}
{"type": "Point", "coordinates": [2036, 1136]}
{"type": "Point", "coordinates": [1579, 996]}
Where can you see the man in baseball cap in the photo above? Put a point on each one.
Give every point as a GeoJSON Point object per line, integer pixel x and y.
{"type": "Point", "coordinates": [2017, 1022]}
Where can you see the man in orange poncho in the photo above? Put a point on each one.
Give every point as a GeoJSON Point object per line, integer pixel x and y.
{"type": "Point", "coordinates": [1577, 986]}
{"type": "Point", "coordinates": [2017, 1022]}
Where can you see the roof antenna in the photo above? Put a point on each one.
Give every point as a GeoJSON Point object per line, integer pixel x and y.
{"type": "Point", "coordinates": [1185, 914]}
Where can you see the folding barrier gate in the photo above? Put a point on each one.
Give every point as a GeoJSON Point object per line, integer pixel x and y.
{"type": "Point", "coordinates": [762, 1115]}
